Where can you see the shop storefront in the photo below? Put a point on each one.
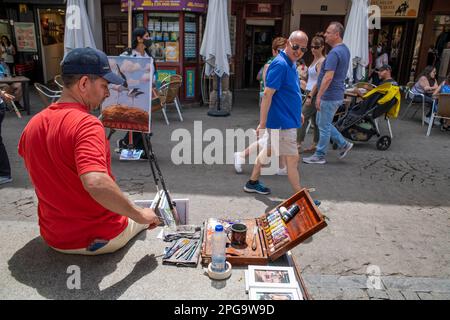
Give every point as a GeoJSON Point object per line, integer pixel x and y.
{"type": "Point", "coordinates": [398, 27]}
{"type": "Point", "coordinates": [175, 29]}
{"type": "Point", "coordinates": [253, 25]}
{"type": "Point", "coordinates": [37, 30]}
{"type": "Point", "coordinates": [435, 38]}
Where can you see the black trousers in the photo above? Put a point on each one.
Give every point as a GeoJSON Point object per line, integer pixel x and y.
{"type": "Point", "coordinates": [5, 168]}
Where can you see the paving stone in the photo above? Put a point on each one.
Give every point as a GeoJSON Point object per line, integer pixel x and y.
{"type": "Point", "coordinates": [355, 294]}
{"type": "Point", "coordinates": [417, 284]}
{"type": "Point", "coordinates": [330, 294]}
{"type": "Point", "coordinates": [410, 295]}
{"type": "Point", "coordinates": [321, 281]}
{"type": "Point", "coordinates": [377, 294]}
{"type": "Point", "coordinates": [352, 282]}
{"type": "Point", "coordinates": [395, 295]}
{"type": "Point", "coordinates": [426, 296]}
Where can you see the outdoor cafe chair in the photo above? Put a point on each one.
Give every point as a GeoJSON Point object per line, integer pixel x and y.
{"type": "Point", "coordinates": [47, 95]}
{"type": "Point", "coordinates": [58, 81]}
{"type": "Point", "coordinates": [168, 94]}
{"type": "Point", "coordinates": [414, 98]}
{"type": "Point", "coordinates": [441, 109]}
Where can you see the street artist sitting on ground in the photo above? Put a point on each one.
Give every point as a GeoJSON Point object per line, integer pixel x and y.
{"type": "Point", "coordinates": [81, 209]}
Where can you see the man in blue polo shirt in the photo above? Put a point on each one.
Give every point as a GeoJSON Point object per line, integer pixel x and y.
{"type": "Point", "coordinates": [281, 113]}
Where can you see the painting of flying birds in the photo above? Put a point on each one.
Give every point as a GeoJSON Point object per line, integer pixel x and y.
{"type": "Point", "coordinates": [128, 106]}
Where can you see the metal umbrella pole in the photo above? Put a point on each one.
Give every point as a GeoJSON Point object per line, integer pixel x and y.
{"type": "Point", "coordinates": [218, 112]}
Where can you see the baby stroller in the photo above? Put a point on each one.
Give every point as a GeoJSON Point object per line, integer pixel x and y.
{"type": "Point", "coordinates": [360, 122]}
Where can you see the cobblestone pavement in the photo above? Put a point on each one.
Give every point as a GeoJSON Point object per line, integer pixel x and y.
{"type": "Point", "coordinates": [385, 210]}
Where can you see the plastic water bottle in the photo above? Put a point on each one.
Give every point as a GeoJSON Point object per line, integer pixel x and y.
{"type": "Point", "coordinates": [219, 241]}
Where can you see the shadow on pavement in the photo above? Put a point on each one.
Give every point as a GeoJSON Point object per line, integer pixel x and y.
{"type": "Point", "coordinates": [38, 266]}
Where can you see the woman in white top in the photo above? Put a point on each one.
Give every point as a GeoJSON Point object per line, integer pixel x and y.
{"type": "Point", "coordinates": [140, 48]}
{"type": "Point", "coordinates": [7, 52]}
{"type": "Point", "coordinates": [309, 110]}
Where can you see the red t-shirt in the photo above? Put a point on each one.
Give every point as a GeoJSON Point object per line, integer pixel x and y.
{"type": "Point", "coordinates": [58, 145]}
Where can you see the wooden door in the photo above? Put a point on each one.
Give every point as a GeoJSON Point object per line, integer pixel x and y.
{"type": "Point", "coordinates": [116, 35]}
{"type": "Point", "coordinates": [312, 24]}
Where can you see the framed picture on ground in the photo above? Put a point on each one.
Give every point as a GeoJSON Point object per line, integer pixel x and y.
{"type": "Point", "coordinates": [261, 293]}
{"type": "Point", "coordinates": [271, 277]}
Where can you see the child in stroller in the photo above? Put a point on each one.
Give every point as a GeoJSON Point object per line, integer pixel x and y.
{"type": "Point", "coordinates": [360, 121]}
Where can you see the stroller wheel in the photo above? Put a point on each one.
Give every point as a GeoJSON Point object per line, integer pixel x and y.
{"type": "Point", "coordinates": [384, 143]}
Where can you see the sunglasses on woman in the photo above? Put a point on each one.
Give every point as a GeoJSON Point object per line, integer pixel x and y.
{"type": "Point", "coordinates": [316, 47]}
{"type": "Point", "coordinates": [296, 47]}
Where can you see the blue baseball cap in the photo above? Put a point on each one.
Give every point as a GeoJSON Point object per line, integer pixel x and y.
{"type": "Point", "coordinates": [89, 61]}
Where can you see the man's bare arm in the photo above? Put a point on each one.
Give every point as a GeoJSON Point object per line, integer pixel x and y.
{"type": "Point", "coordinates": [107, 193]}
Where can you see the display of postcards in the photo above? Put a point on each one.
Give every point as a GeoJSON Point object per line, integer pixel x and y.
{"type": "Point", "coordinates": [164, 26]}
{"type": "Point", "coordinates": [157, 25]}
{"type": "Point", "coordinates": [173, 36]}
{"type": "Point", "coordinates": [150, 25]}
{"type": "Point", "coordinates": [170, 26]}
{"type": "Point", "coordinates": [275, 294]}
{"type": "Point", "coordinates": [176, 27]}
{"type": "Point", "coordinates": [165, 36]}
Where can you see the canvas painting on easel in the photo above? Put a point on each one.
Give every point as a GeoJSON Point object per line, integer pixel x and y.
{"type": "Point", "coordinates": [128, 106]}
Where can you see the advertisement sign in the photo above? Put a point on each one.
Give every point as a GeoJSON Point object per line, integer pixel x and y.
{"type": "Point", "coordinates": [166, 5]}
{"type": "Point", "coordinates": [25, 37]}
{"type": "Point", "coordinates": [161, 75]}
{"type": "Point", "coordinates": [190, 83]}
{"type": "Point", "coordinates": [398, 8]}
{"type": "Point", "coordinates": [128, 106]}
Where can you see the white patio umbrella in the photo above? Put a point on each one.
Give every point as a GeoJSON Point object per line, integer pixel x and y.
{"type": "Point", "coordinates": [356, 38]}
{"type": "Point", "coordinates": [77, 32]}
{"type": "Point", "coordinates": [216, 48]}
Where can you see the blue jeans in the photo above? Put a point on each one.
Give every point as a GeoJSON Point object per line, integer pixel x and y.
{"type": "Point", "coordinates": [326, 129]}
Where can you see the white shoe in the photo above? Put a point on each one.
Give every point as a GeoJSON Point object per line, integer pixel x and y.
{"type": "Point", "coordinates": [238, 161]}
{"type": "Point", "coordinates": [282, 172]}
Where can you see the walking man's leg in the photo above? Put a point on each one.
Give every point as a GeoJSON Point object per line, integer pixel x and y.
{"type": "Point", "coordinates": [253, 185]}
{"type": "Point", "coordinates": [292, 170]}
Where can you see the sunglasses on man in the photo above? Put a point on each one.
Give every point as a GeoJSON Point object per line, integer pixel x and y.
{"type": "Point", "coordinates": [296, 47]}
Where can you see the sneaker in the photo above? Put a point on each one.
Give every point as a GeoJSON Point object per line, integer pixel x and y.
{"type": "Point", "coordinates": [4, 180]}
{"type": "Point", "coordinates": [345, 150]}
{"type": "Point", "coordinates": [314, 159]}
{"type": "Point", "coordinates": [238, 161]}
{"type": "Point", "coordinates": [282, 172]}
{"type": "Point", "coordinates": [317, 202]}
{"type": "Point", "coordinates": [258, 187]}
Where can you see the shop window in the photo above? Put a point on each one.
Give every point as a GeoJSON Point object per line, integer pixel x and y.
{"type": "Point", "coordinates": [164, 29]}
{"type": "Point", "coordinates": [190, 38]}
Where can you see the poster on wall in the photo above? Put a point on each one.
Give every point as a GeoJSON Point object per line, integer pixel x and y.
{"type": "Point", "coordinates": [416, 52]}
{"type": "Point", "coordinates": [190, 83]}
{"type": "Point", "coordinates": [128, 106]}
{"type": "Point", "coordinates": [25, 37]}
{"type": "Point", "coordinates": [162, 75]}
{"type": "Point", "coordinates": [398, 8]}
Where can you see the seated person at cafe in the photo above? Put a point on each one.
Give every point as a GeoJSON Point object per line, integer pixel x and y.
{"type": "Point", "coordinates": [15, 88]}
{"type": "Point", "coordinates": [385, 75]}
{"type": "Point", "coordinates": [81, 209]}
{"type": "Point", "coordinates": [444, 88]}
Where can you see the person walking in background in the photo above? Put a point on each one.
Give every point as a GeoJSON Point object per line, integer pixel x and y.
{"type": "Point", "coordinates": [278, 44]}
{"type": "Point", "coordinates": [7, 52]}
{"type": "Point", "coordinates": [331, 94]}
{"type": "Point", "coordinates": [5, 168]}
{"type": "Point", "coordinates": [309, 109]}
{"type": "Point", "coordinates": [281, 109]}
